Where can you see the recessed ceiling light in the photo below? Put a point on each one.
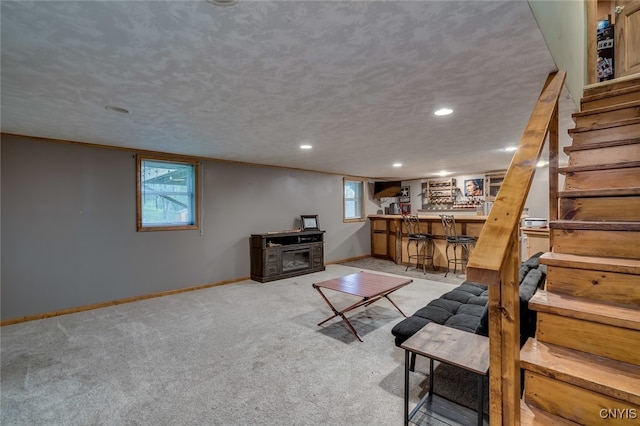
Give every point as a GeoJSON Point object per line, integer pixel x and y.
{"type": "Point", "coordinates": [223, 3]}
{"type": "Point", "coordinates": [443, 111]}
{"type": "Point", "coordinates": [116, 109]}
{"type": "Point", "coordinates": [397, 164]}
{"type": "Point", "coordinates": [443, 173]}
{"type": "Point", "coordinates": [305, 146]}
{"type": "Point", "coordinates": [510, 149]}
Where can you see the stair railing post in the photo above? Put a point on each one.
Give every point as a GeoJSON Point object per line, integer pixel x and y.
{"type": "Point", "coordinates": [504, 334]}
{"type": "Point", "coordinates": [554, 147]}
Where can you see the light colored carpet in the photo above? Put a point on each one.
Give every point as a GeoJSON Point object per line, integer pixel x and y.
{"type": "Point", "coordinates": [243, 353]}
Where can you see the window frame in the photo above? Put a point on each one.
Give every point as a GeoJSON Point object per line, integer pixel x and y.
{"type": "Point", "coordinates": [363, 215]}
{"type": "Point", "coordinates": [140, 158]}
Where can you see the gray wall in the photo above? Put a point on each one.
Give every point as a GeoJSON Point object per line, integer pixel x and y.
{"type": "Point", "coordinates": [69, 225]}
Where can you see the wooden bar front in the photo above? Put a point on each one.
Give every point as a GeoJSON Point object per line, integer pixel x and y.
{"type": "Point", "coordinates": [389, 235]}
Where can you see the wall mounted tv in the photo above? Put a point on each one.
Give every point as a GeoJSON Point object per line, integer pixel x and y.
{"type": "Point", "coordinates": [387, 189]}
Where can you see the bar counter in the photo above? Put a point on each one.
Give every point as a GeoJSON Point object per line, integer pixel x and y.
{"type": "Point", "coordinates": [389, 235]}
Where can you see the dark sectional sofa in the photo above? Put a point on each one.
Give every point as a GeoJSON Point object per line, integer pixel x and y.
{"type": "Point", "coordinates": [466, 307]}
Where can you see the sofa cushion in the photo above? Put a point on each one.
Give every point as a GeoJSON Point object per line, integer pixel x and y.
{"type": "Point", "coordinates": [408, 327]}
{"type": "Point", "coordinates": [463, 322]}
{"type": "Point", "coordinates": [457, 295]}
{"type": "Point", "coordinates": [434, 313]}
{"type": "Point", "coordinates": [478, 300]}
{"type": "Point", "coordinates": [532, 263]}
{"type": "Point", "coordinates": [473, 288]}
{"type": "Point", "coordinates": [470, 309]}
{"type": "Point", "coordinates": [530, 283]}
{"type": "Point", "coordinates": [450, 305]}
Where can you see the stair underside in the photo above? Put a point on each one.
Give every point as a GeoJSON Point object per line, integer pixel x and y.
{"type": "Point", "coordinates": [615, 379]}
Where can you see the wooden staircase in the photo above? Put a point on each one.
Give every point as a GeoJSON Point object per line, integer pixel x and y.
{"type": "Point", "coordinates": [583, 367]}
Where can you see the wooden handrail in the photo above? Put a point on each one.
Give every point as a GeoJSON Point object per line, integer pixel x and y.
{"type": "Point", "coordinates": [495, 257]}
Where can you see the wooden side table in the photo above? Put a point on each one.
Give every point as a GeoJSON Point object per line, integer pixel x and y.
{"type": "Point", "coordinates": [450, 346]}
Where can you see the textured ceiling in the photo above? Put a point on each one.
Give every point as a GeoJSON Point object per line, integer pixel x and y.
{"type": "Point", "coordinates": [250, 83]}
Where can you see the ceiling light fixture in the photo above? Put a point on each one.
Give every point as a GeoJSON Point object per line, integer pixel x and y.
{"type": "Point", "coordinates": [443, 173]}
{"type": "Point", "coordinates": [443, 111]}
{"type": "Point", "coordinates": [116, 109]}
{"type": "Point", "coordinates": [306, 146]}
{"type": "Point", "coordinates": [397, 164]}
{"type": "Point", "coordinates": [223, 3]}
{"type": "Point", "coordinates": [510, 149]}
{"type": "Point", "coordinates": [541, 163]}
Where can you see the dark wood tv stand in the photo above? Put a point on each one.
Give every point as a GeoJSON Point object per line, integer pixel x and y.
{"type": "Point", "coordinates": [278, 255]}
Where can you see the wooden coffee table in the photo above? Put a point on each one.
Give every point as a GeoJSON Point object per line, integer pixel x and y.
{"type": "Point", "coordinates": [371, 287]}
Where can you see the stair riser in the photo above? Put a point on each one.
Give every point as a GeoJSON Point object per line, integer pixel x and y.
{"type": "Point", "coordinates": [602, 179]}
{"type": "Point", "coordinates": [612, 154]}
{"type": "Point", "coordinates": [601, 208]}
{"type": "Point", "coordinates": [597, 243]}
{"type": "Point", "coordinates": [596, 285]}
{"type": "Point", "coordinates": [630, 96]}
{"type": "Point", "coordinates": [613, 342]}
{"type": "Point", "coordinates": [607, 117]}
{"type": "Point", "coordinates": [605, 135]}
{"type": "Point", "coordinates": [611, 86]}
{"type": "Point", "coordinates": [577, 404]}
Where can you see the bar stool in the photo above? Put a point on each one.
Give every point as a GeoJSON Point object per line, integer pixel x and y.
{"type": "Point", "coordinates": [465, 242]}
{"type": "Point", "coordinates": [423, 242]}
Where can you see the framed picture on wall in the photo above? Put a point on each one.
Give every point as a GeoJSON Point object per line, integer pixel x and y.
{"type": "Point", "coordinates": [474, 187]}
{"type": "Point", "coordinates": [309, 221]}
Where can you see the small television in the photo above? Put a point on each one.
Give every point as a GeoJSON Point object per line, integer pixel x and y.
{"type": "Point", "coordinates": [387, 189]}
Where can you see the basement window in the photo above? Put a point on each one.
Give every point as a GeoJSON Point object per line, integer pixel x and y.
{"type": "Point", "coordinates": [167, 191]}
{"type": "Point", "coordinates": [353, 200]}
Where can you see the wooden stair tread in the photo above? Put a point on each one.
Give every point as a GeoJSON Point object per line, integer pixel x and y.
{"type": "Point", "coordinates": [608, 108]}
{"type": "Point", "coordinates": [607, 264]}
{"type": "Point", "coordinates": [609, 166]}
{"type": "Point", "coordinates": [605, 144]}
{"type": "Point", "coordinates": [630, 87]}
{"type": "Point", "coordinates": [585, 309]}
{"type": "Point", "coordinates": [632, 80]}
{"type": "Point", "coordinates": [533, 416]}
{"type": "Point", "coordinates": [613, 378]}
{"type": "Point", "coordinates": [595, 225]}
{"type": "Point", "coordinates": [619, 123]}
{"type": "Point", "coordinates": [604, 192]}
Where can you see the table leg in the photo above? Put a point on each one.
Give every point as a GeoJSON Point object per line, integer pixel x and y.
{"type": "Point", "coordinates": [392, 302]}
{"type": "Point", "coordinates": [480, 401]}
{"type": "Point", "coordinates": [406, 387]}
{"type": "Point", "coordinates": [337, 313]}
{"type": "Point", "coordinates": [430, 377]}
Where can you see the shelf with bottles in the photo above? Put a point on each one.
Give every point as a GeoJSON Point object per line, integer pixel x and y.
{"type": "Point", "coordinates": [439, 192]}
{"type": "Point", "coordinates": [469, 203]}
